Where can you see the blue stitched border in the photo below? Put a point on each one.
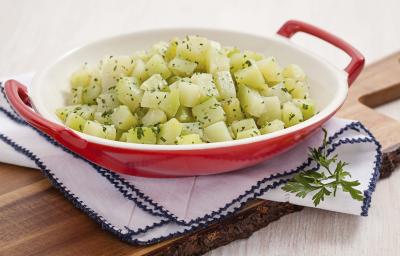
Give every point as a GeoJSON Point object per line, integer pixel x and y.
{"type": "Point", "coordinates": [109, 175]}
{"type": "Point", "coordinates": [127, 237]}
{"type": "Point", "coordinates": [211, 217]}
{"type": "Point", "coordinates": [253, 188]}
{"type": "Point", "coordinates": [375, 176]}
{"type": "Point", "coordinates": [70, 196]}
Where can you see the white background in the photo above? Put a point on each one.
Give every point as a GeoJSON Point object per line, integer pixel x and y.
{"type": "Point", "coordinates": [35, 32]}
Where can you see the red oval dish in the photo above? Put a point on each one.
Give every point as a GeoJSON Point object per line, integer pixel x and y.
{"type": "Point", "coordinates": [328, 86]}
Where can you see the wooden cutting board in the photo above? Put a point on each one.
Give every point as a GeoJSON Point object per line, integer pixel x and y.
{"type": "Point", "coordinates": [36, 219]}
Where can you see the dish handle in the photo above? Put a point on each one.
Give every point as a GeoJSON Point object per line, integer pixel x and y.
{"type": "Point", "coordinates": [356, 64]}
{"type": "Point", "coordinates": [17, 95]}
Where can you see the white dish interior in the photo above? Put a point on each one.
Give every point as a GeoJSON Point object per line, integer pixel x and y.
{"type": "Point", "coordinates": [328, 83]}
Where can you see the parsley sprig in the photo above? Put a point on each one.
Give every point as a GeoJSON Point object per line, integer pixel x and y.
{"type": "Point", "coordinates": [323, 183]}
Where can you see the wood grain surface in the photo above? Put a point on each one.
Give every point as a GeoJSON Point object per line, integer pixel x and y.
{"type": "Point", "coordinates": [36, 220]}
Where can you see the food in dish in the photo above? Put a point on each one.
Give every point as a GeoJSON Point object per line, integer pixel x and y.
{"type": "Point", "coordinates": [186, 91]}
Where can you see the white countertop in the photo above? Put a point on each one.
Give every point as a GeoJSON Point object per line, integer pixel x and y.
{"type": "Point", "coordinates": [35, 32]}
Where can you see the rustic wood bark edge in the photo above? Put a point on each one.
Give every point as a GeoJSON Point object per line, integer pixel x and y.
{"type": "Point", "coordinates": [255, 215]}
{"type": "Point", "coordinates": [390, 160]}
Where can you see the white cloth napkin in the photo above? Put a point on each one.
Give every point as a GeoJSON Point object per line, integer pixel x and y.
{"type": "Point", "coordinates": [144, 210]}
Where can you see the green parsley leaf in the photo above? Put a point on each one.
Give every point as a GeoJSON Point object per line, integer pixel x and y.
{"type": "Point", "coordinates": [323, 184]}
